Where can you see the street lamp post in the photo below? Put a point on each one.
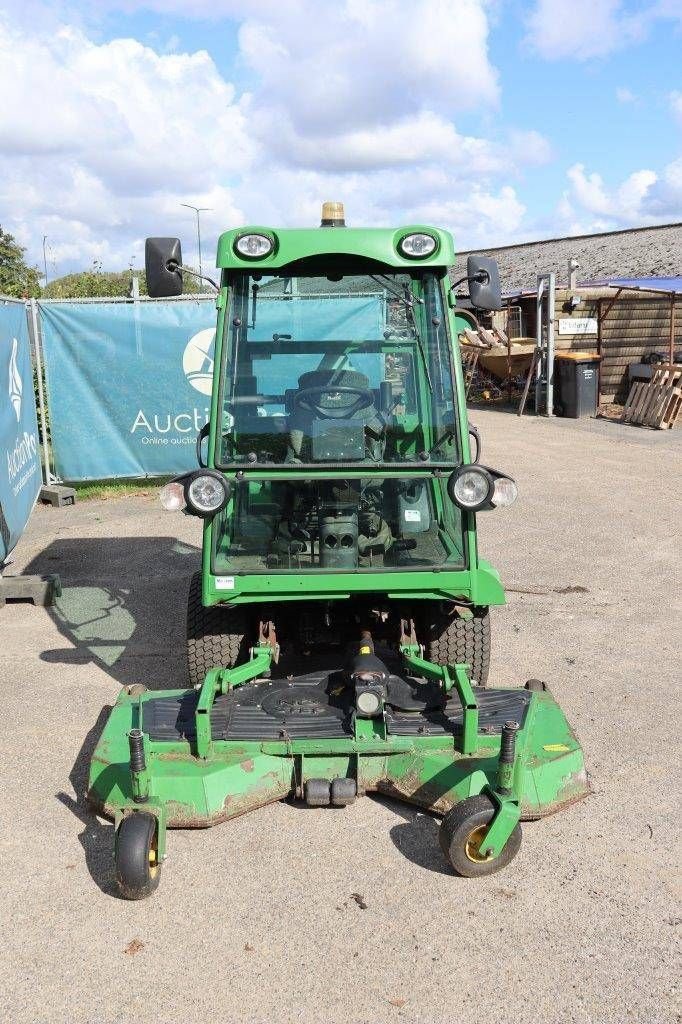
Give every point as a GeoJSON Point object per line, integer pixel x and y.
{"type": "Point", "coordinates": [45, 257]}
{"type": "Point", "coordinates": [198, 210]}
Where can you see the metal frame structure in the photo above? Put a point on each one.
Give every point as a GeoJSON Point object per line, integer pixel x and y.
{"type": "Point", "coordinates": [544, 337]}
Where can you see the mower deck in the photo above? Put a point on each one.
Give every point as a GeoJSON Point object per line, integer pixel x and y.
{"type": "Point", "coordinates": [318, 705]}
{"type": "Point", "coordinates": [264, 740]}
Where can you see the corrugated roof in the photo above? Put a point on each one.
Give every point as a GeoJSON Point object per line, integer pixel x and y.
{"type": "Point", "coordinates": [633, 254]}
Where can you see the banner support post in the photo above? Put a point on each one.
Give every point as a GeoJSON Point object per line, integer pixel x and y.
{"type": "Point", "coordinates": [34, 331]}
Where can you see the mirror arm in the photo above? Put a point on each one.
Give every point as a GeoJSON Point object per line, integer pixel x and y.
{"type": "Point", "coordinates": [173, 267]}
{"type": "Point", "coordinates": [482, 278]}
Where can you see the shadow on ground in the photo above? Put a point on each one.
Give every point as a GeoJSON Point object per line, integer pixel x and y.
{"type": "Point", "coordinates": [123, 605]}
{"type": "Point", "coordinates": [416, 837]}
{"type": "Point", "coordinates": [97, 837]}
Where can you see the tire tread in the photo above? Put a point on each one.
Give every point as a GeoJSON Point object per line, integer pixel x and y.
{"type": "Point", "coordinates": [215, 636]}
{"type": "Point", "coordinates": [451, 639]}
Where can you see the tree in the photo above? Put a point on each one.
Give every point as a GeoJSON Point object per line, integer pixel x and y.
{"type": "Point", "coordinates": [16, 277]}
{"type": "Point", "coordinates": [98, 283]}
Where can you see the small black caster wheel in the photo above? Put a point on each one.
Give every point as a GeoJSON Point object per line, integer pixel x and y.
{"type": "Point", "coordinates": [536, 686]}
{"type": "Point", "coordinates": [462, 832]}
{"type": "Point", "coordinates": [317, 793]}
{"type": "Point", "coordinates": [138, 868]}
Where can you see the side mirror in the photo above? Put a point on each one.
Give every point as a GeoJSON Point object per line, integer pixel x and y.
{"type": "Point", "coordinates": [484, 282]}
{"type": "Point", "coordinates": [162, 263]}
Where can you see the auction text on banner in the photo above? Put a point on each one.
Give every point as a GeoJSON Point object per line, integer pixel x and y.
{"type": "Point", "coordinates": [20, 478]}
{"type": "Point", "coordinates": [128, 384]}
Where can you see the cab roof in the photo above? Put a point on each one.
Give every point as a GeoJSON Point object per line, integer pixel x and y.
{"type": "Point", "coordinates": [294, 244]}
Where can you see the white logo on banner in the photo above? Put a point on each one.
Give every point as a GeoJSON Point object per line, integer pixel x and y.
{"type": "Point", "coordinates": [197, 360]}
{"type": "Point", "coordinates": [15, 384]}
{"type": "Point", "coordinates": [21, 460]}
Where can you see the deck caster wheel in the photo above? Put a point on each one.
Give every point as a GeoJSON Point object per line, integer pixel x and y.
{"type": "Point", "coordinates": [462, 832]}
{"type": "Point", "coordinates": [317, 793]}
{"type": "Point", "coordinates": [536, 686]}
{"type": "Point", "coordinates": [343, 792]}
{"type": "Point", "coordinates": [138, 869]}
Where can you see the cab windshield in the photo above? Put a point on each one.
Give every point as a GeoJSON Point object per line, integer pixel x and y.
{"type": "Point", "coordinates": [347, 370]}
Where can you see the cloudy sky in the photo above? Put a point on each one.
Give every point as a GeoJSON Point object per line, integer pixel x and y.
{"type": "Point", "coordinates": [500, 120]}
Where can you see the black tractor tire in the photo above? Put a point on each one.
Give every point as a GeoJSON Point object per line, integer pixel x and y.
{"type": "Point", "coordinates": [216, 636]}
{"type": "Point", "coordinates": [461, 832]}
{"type": "Point", "coordinates": [450, 640]}
{"type": "Point", "coordinates": [138, 870]}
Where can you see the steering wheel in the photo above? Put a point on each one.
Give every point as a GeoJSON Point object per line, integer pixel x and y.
{"type": "Point", "coordinates": [305, 399]}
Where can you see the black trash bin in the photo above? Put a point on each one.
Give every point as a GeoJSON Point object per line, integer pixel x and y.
{"type": "Point", "coordinates": [576, 384]}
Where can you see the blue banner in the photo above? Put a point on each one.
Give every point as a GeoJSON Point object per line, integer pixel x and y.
{"type": "Point", "coordinates": [20, 478]}
{"type": "Point", "coordinates": [128, 384]}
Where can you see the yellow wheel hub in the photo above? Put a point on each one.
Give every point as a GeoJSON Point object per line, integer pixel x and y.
{"type": "Point", "coordinates": [153, 861]}
{"type": "Point", "coordinates": [472, 846]}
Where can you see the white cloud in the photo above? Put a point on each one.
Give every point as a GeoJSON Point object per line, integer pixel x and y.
{"type": "Point", "coordinates": [625, 95]}
{"type": "Point", "coordinates": [356, 100]}
{"type": "Point", "coordinates": [115, 138]}
{"type": "Point", "coordinates": [364, 62]}
{"type": "Point", "coordinates": [624, 203]}
{"type": "Point", "coordinates": [583, 29]}
{"type": "Point", "coordinates": [643, 197]}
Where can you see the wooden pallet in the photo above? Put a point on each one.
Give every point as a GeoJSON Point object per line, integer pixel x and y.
{"type": "Point", "coordinates": [658, 402]}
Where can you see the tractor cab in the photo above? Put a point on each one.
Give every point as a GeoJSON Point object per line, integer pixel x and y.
{"type": "Point", "coordinates": [328, 371]}
{"type": "Point", "coordinates": [339, 414]}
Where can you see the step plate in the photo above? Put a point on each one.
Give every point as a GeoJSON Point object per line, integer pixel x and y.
{"type": "Point", "coordinates": [319, 706]}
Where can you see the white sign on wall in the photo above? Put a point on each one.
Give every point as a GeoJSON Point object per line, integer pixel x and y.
{"type": "Point", "coordinates": [578, 325]}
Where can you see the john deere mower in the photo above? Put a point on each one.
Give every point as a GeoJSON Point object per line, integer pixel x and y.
{"type": "Point", "coordinates": [338, 632]}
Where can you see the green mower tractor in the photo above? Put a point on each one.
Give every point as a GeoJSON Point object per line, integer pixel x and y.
{"type": "Point", "coordinates": [338, 632]}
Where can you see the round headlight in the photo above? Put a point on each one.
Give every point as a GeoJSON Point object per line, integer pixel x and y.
{"type": "Point", "coordinates": [505, 492]}
{"type": "Point", "coordinates": [206, 494]}
{"type": "Point", "coordinates": [172, 496]}
{"type": "Point", "coordinates": [254, 247]}
{"type": "Point", "coordinates": [471, 488]}
{"type": "Point", "coordinates": [418, 245]}
{"type": "Point", "coordinates": [368, 703]}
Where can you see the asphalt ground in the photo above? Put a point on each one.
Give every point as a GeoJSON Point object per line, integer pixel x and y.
{"type": "Point", "coordinates": [255, 920]}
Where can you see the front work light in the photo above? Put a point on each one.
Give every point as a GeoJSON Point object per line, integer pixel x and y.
{"type": "Point", "coordinates": [254, 247]}
{"type": "Point", "coordinates": [172, 496]}
{"type": "Point", "coordinates": [505, 492]}
{"type": "Point", "coordinates": [471, 488]}
{"type": "Point", "coordinates": [475, 488]}
{"type": "Point", "coordinates": [206, 493]}
{"type": "Point", "coordinates": [418, 245]}
{"type": "Point", "coordinates": [369, 700]}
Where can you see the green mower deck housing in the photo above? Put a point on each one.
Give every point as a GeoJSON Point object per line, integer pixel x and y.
{"type": "Point", "coordinates": [339, 493]}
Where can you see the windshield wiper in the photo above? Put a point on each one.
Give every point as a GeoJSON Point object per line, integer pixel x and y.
{"type": "Point", "coordinates": [408, 301]}
{"type": "Point", "coordinates": [386, 283]}
{"type": "Point", "coordinates": [409, 308]}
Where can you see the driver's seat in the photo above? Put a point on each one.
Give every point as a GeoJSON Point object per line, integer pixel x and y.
{"type": "Point", "coordinates": [349, 434]}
